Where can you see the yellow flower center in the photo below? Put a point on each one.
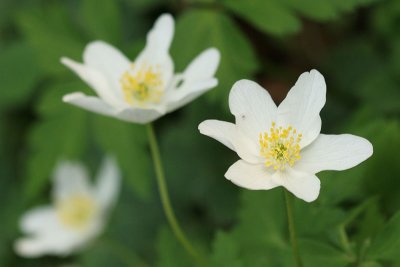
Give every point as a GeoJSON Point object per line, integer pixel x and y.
{"type": "Point", "coordinates": [280, 146]}
{"type": "Point", "coordinates": [76, 211]}
{"type": "Point", "coordinates": [142, 85]}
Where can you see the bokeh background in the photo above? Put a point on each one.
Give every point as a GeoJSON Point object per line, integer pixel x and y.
{"type": "Point", "coordinates": [355, 44]}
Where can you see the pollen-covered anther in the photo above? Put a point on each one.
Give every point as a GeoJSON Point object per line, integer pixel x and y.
{"type": "Point", "coordinates": [141, 85]}
{"type": "Point", "coordinates": [280, 146]}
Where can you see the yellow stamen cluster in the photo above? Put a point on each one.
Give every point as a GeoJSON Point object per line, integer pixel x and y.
{"type": "Point", "coordinates": [142, 85]}
{"type": "Point", "coordinates": [280, 146]}
{"type": "Point", "coordinates": [76, 211]}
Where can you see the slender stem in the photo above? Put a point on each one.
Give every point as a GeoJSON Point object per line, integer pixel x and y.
{"type": "Point", "coordinates": [344, 238]}
{"type": "Point", "coordinates": [292, 230]}
{"type": "Point", "coordinates": [162, 188]}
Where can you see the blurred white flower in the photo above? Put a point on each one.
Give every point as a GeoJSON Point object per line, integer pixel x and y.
{"type": "Point", "coordinates": [282, 146]}
{"type": "Point", "coordinates": [146, 89]}
{"type": "Point", "coordinates": [78, 214]}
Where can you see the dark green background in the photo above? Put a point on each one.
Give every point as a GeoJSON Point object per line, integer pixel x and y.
{"type": "Point", "coordinates": [355, 44]}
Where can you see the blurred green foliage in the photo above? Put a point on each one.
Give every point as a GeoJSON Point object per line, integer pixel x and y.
{"type": "Point", "coordinates": [354, 43]}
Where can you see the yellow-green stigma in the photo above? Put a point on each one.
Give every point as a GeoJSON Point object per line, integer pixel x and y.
{"type": "Point", "coordinates": [142, 85]}
{"type": "Point", "coordinates": [76, 211]}
{"type": "Point", "coordinates": [280, 146]}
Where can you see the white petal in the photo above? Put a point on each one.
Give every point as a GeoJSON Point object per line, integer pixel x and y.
{"type": "Point", "coordinates": [37, 220]}
{"type": "Point", "coordinates": [181, 98]}
{"type": "Point", "coordinates": [160, 36]}
{"type": "Point", "coordinates": [108, 182]}
{"type": "Point", "coordinates": [55, 238]}
{"type": "Point", "coordinates": [139, 115]}
{"type": "Point", "coordinates": [302, 105]}
{"type": "Point", "coordinates": [253, 108]}
{"type": "Point", "coordinates": [46, 234]}
{"type": "Point", "coordinates": [96, 80]}
{"type": "Point", "coordinates": [221, 131]}
{"type": "Point", "coordinates": [70, 178]}
{"type": "Point", "coordinates": [91, 103]}
{"type": "Point", "coordinates": [313, 131]}
{"type": "Point", "coordinates": [109, 61]}
{"type": "Point", "coordinates": [203, 67]}
{"type": "Point", "coordinates": [156, 52]}
{"type": "Point", "coordinates": [36, 247]}
{"type": "Point", "coordinates": [303, 185]}
{"type": "Point", "coordinates": [196, 79]}
{"type": "Point", "coordinates": [59, 242]}
{"type": "Point", "coordinates": [334, 152]}
{"type": "Point", "coordinates": [30, 247]}
{"type": "Point", "coordinates": [228, 134]}
{"type": "Point", "coordinates": [250, 176]}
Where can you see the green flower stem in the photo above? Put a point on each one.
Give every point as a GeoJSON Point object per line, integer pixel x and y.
{"type": "Point", "coordinates": [162, 188]}
{"type": "Point", "coordinates": [292, 230]}
{"type": "Point", "coordinates": [344, 238]}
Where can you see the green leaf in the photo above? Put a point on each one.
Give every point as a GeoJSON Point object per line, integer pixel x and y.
{"type": "Point", "coordinates": [144, 5]}
{"type": "Point", "coordinates": [19, 73]}
{"type": "Point", "coordinates": [280, 17]}
{"type": "Point", "coordinates": [197, 30]}
{"type": "Point", "coordinates": [371, 264]}
{"type": "Point", "coordinates": [170, 251]}
{"type": "Point", "coordinates": [60, 133]}
{"type": "Point", "coordinates": [106, 252]}
{"type": "Point", "coordinates": [317, 10]}
{"type": "Point", "coordinates": [6, 11]}
{"type": "Point", "coordinates": [329, 218]}
{"type": "Point", "coordinates": [261, 232]}
{"type": "Point", "coordinates": [384, 136]}
{"type": "Point", "coordinates": [316, 254]}
{"type": "Point", "coordinates": [102, 19]}
{"type": "Point", "coordinates": [51, 34]}
{"type": "Point", "coordinates": [272, 17]}
{"type": "Point", "coordinates": [263, 212]}
{"type": "Point", "coordinates": [326, 10]}
{"type": "Point", "coordinates": [385, 19]}
{"type": "Point", "coordinates": [226, 252]}
{"type": "Point", "coordinates": [385, 246]}
{"type": "Point", "coordinates": [129, 143]}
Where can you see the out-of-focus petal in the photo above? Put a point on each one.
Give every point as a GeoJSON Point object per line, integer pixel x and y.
{"type": "Point", "coordinates": [108, 60]}
{"type": "Point", "coordinates": [37, 220]}
{"type": "Point", "coordinates": [156, 51]}
{"type": "Point", "coordinates": [108, 182]}
{"type": "Point", "coordinates": [97, 81]}
{"type": "Point", "coordinates": [70, 178]}
{"type": "Point", "coordinates": [91, 103]}
{"type": "Point", "coordinates": [196, 79]}
{"type": "Point", "coordinates": [140, 115]}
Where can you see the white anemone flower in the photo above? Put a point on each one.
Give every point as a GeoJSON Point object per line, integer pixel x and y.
{"type": "Point", "coordinates": [282, 146]}
{"type": "Point", "coordinates": [147, 88]}
{"type": "Point", "coordinates": [77, 215]}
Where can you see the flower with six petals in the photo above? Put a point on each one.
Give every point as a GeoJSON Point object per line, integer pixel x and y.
{"type": "Point", "coordinates": [146, 89]}
{"type": "Point", "coordinates": [78, 213]}
{"type": "Point", "coordinates": [282, 146]}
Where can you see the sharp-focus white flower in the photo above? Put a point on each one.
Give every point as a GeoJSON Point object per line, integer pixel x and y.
{"type": "Point", "coordinates": [77, 215]}
{"type": "Point", "coordinates": [147, 88]}
{"type": "Point", "coordinates": [282, 146]}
